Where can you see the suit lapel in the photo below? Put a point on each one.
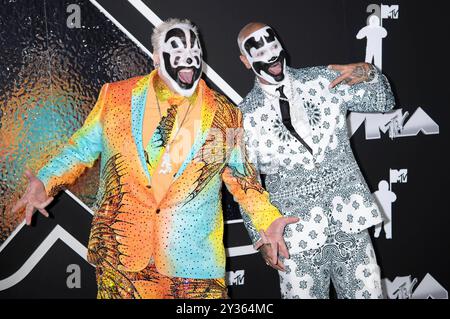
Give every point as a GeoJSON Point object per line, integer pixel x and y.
{"type": "Point", "coordinates": [298, 89]}
{"type": "Point", "coordinates": [138, 99]}
{"type": "Point", "coordinates": [299, 80]}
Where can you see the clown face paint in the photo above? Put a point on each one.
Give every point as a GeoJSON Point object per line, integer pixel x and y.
{"type": "Point", "coordinates": [181, 59]}
{"type": "Point", "coordinates": [266, 55]}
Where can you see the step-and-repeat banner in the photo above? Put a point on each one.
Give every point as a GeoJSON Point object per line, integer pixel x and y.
{"type": "Point", "coordinates": [55, 55]}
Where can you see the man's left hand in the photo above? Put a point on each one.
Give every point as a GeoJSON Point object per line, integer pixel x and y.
{"type": "Point", "coordinates": [350, 73]}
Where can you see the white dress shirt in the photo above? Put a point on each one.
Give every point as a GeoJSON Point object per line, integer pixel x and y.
{"type": "Point", "coordinates": [299, 117]}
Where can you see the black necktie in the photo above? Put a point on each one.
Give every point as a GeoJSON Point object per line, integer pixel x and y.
{"type": "Point", "coordinates": [286, 117]}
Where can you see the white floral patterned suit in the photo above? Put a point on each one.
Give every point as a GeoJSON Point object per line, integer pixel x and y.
{"type": "Point", "coordinates": [325, 189]}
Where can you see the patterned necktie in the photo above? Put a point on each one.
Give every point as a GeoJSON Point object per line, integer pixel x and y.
{"type": "Point", "coordinates": [286, 118]}
{"type": "Point", "coordinates": [157, 145]}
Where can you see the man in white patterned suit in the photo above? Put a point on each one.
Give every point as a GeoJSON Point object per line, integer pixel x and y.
{"type": "Point", "coordinates": [295, 121]}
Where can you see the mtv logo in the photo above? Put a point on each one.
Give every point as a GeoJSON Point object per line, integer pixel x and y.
{"type": "Point", "coordinates": [235, 278]}
{"type": "Point", "coordinates": [389, 12]}
{"type": "Point", "coordinates": [396, 125]}
{"type": "Point", "coordinates": [398, 176]}
{"type": "Point", "coordinates": [400, 288]}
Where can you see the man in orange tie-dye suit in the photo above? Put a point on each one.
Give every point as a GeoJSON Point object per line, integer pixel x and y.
{"type": "Point", "coordinates": [166, 142]}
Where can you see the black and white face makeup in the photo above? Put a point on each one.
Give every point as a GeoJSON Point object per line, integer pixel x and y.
{"type": "Point", "coordinates": [181, 59]}
{"type": "Point", "coordinates": [266, 55]}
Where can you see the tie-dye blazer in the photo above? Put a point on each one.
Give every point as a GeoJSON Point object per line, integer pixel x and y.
{"type": "Point", "coordinates": [183, 234]}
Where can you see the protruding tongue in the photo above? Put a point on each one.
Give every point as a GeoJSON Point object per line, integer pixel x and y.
{"type": "Point", "coordinates": [186, 75]}
{"type": "Point", "coordinates": [276, 68]}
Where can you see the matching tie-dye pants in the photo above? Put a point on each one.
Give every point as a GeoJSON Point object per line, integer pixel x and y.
{"type": "Point", "coordinates": [150, 284]}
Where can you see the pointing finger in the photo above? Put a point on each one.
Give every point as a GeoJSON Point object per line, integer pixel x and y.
{"type": "Point", "coordinates": [274, 253]}
{"type": "Point", "coordinates": [354, 81]}
{"type": "Point", "coordinates": [291, 220]}
{"type": "Point", "coordinates": [336, 67]}
{"type": "Point", "coordinates": [270, 264]}
{"type": "Point", "coordinates": [281, 266]}
{"type": "Point", "coordinates": [283, 249]}
{"type": "Point", "coordinates": [43, 212]}
{"type": "Point", "coordinates": [278, 267]}
{"type": "Point", "coordinates": [338, 80]}
{"type": "Point", "coordinates": [29, 214]}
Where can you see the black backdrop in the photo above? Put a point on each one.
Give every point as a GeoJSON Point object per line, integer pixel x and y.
{"type": "Point", "coordinates": [414, 262]}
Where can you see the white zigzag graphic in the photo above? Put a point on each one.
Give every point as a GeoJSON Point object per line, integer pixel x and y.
{"type": "Point", "coordinates": [57, 233]}
{"type": "Point", "coordinates": [155, 20]}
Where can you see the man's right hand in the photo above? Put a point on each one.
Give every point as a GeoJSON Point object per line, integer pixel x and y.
{"type": "Point", "coordinates": [35, 198]}
{"type": "Point", "coordinates": [273, 242]}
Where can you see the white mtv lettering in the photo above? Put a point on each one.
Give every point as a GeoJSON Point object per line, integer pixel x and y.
{"type": "Point", "coordinates": [403, 288]}
{"type": "Point", "coordinates": [389, 12]}
{"type": "Point", "coordinates": [374, 123]}
{"type": "Point", "coordinates": [74, 279]}
{"type": "Point", "coordinates": [235, 278]}
{"type": "Point", "coordinates": [419, 122]}
{"type": "Point", "coordinates": [394, 123]}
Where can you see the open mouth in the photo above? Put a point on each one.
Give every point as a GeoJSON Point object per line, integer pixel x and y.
{"type": "Point", "coordinates": [276, 68]}
{"type": "Point", "coordinates": [186, 75]}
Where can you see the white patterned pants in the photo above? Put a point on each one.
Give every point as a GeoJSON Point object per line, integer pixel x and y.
{"type": "Point", "coordinates": [346, 260]}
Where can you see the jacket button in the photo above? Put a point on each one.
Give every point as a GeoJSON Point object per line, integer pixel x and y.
{"type": "Point", "coordinates": [158, 210]}
{"type": "Point", "coordinates": [149, 186]}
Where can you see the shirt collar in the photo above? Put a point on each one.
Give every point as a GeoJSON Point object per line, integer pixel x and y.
{"type": "Point", "coordinates": [164, 93]}
{"type": "Point", "coordinates": [272, 88]}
